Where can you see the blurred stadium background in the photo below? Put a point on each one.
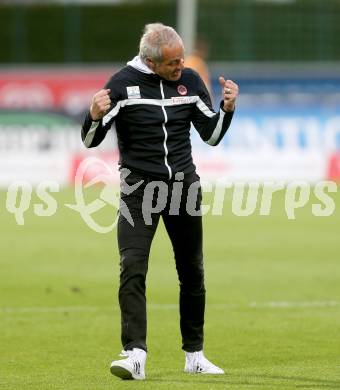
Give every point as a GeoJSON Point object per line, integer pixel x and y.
{"type": "Point", "coordinates": [283, 53]}
{"type": "Point", "coordinates": [273, 283]}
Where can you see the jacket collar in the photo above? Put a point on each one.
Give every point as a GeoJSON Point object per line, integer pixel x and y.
{"type": "Point", "coordinates": [138, 64]}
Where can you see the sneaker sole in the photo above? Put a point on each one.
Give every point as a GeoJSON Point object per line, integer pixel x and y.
{"type": "Point", "coordinates": [121, 372]}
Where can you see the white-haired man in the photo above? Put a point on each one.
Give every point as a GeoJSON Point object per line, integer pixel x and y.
{"type": "Point", "coordinates": [153, 101]}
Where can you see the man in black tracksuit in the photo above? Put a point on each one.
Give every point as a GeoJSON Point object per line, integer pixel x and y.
{"type": "Point", "coordinates": [152, 103]}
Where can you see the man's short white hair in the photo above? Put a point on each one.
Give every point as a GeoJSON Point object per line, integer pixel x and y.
{"type": "Point", "coordinates": [155, 36]}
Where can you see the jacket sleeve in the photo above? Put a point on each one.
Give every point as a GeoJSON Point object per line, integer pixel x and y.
{"type": "Point", "coordinates": [210, 125]}
{"type": "Point", "coordinates": [94, 132]}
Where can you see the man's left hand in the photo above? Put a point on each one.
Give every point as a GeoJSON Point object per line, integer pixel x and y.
{"type": "Point", "coordinates": [229, 93]}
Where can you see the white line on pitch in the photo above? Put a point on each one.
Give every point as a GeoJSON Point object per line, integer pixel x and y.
{"type": "Point", "coordinates": [294, 304]}
{"type": "Point", "coordinates": [56, 309]}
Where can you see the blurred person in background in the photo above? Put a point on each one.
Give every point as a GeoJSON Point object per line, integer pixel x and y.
{"type": "Point", "coordinates": [197, 61]}
{"type": "Point", "coordinates": [153, 101]}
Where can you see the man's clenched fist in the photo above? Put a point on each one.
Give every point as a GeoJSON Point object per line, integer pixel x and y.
{"type": "Point", "coordinates": [100, 104]}
{"type": "Point", "coordinates": [229, 93]}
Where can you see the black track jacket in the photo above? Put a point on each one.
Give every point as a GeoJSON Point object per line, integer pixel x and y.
{"type": "Point", "coordinates": [153, 117]}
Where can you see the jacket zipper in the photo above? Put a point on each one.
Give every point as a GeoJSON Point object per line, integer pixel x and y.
{"type": "Point", "coordinates": [165, 133]}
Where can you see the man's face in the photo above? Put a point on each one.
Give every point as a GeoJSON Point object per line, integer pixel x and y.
{"type": "Point", "coordinates": [170, 68]}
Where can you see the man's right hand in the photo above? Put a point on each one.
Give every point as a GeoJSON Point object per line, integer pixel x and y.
{"type": "Point", "coordinates": [100, 104]}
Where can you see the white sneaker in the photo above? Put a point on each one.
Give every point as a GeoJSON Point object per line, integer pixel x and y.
{"type": "Point", "coordinates": [133, 367]}
{"type": "Point", "coordinates": [197, 363]}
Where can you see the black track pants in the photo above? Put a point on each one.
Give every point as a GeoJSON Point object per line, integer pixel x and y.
{"type": "Point", "coordinates": [183, 223]}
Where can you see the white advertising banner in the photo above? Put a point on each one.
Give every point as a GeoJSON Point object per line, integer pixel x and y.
{"type": "Point", "coordinates": [245, 166]}
{"type": "Point", "coordinates": [283, 138]}
{"type": "Point", "coordinates": [34, 167]}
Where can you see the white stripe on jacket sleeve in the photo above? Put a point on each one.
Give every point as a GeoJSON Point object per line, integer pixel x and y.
{"type": "Point", "coordinates": [218, 129]}
{"type": "Point", "coordinates": [204, 108]}
{"type": "Point", "coordinates": [91, 133]}
{"type": "Point", "coordinates": [111, 114]}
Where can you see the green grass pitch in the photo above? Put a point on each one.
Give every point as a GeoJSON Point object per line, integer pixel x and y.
{"type": "Point", "coordinates": [272, 316]}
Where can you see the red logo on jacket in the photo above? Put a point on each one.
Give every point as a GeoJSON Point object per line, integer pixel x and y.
{"type": "Point", "coordinates": [181, 89]}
